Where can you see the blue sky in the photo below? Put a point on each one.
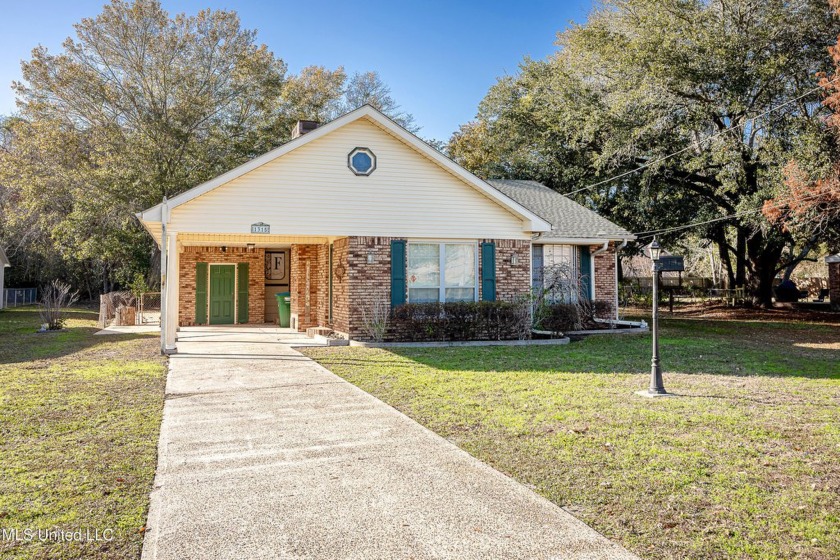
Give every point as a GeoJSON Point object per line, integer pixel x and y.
{"type": "Point", "coordinates": [438, 57]}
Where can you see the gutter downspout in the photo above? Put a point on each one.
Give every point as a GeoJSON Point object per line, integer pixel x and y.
{"type": "Point", "coordinates": [604, 248]}
{"type": "Point", "coordinates": [617, 249]}
{"type": "Point", "coordinates": [164, 244]}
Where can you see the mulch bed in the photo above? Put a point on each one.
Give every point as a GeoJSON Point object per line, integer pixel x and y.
{"type": "Point", "coordinates": [722, 312]}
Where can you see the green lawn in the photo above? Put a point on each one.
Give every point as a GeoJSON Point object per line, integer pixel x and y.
{"type": "Point", "coordinates": [744, 464]}
{"type": "Point", "coordinates": [79, 418]}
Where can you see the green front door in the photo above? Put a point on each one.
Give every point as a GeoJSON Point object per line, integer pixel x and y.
{"type": "Point", "coordinates": [222, 283]}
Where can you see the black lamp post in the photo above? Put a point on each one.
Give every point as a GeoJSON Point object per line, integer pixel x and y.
{"type": "Point", "coordinates": [657, 387]}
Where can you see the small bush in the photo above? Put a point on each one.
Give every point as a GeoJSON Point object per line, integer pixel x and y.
{"type": "Point", "coordinates": [375, 320]}
{"type": "Point", "coordinates": [55, 298]}
{"type": "Point", "coordinates": [591, 310]}
{"type": "Point", "coordinates": [559, 318]}
{"type": "Point", "coordinates": [443, 322]}
{"type": "Point", "coordinates": [139, 286]}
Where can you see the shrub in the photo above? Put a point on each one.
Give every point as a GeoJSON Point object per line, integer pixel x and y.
{"type": "Point", "coordinates": [139, 286]}
{"type": "Point", "coordinates": [559, 318]}
{"type": "Point", "coordinates": [591, 310]}
{"type": "Point", "coordinates": [375, 321]}
{"type": "Point", "coordinates": [55, 298]}
{"type": "Point", "coordinates": [443, 322]}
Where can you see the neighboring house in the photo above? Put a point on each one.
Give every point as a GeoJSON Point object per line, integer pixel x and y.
{"type": "Point", "coordinates": [355, 212]}
{"type": "Point", "coordinates": [4, 263]}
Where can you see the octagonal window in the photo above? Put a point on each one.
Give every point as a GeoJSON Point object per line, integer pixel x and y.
{"type": "Point", "coordinates": [361, 161]}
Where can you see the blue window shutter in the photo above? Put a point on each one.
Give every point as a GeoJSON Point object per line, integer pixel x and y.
{"type": "Point", "coordinates": [585, 266]}
{"type": "Point", "coordinates": [398, 286]}
{"type": "Point", "coordinates": [488, 271]}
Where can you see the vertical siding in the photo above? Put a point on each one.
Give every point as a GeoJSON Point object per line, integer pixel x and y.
{"type": "Point", "coordinates": [311, 191]}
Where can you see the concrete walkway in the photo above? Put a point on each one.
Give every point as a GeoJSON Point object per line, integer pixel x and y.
{"type": "Point", "coordinates": [265, 454]}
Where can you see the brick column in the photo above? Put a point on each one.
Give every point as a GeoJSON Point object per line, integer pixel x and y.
{"type": "Point", "coordinates": [606, 289]}
{"type": "Point", "coordinates": [309, 285]}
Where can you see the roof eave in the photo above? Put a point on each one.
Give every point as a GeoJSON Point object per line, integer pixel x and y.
{"type": "Point", "coordinates": [573, 240]}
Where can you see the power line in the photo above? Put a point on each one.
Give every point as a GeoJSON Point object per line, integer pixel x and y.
{"type": "Point", "coordinates": [708, 139]}
{"type": "Point", "coordinates": [779, 204]}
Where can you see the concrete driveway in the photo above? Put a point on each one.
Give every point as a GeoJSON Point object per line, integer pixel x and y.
{"type": "Point", "coordinates": [265, 454]}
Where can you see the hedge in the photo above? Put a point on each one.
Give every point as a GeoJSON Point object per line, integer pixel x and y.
{"type": "Point", "coordinates": [452, 321]}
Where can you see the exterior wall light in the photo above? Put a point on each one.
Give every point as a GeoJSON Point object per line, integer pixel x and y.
{"type": "Point", "coordinates": [514, 259]}
{"type": "Point", "coordinates": [370, 258]}
{"type": "Point", "coordinates": [251, 247]}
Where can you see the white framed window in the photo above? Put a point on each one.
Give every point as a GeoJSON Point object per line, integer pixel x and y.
{"type": "Point", "coordinates": [442, 272]}
{"type": "Point", "coordinates": [560, 272]}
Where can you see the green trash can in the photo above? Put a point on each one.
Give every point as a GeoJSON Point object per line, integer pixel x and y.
{"type": "Point", "coordinates": [284, 307]}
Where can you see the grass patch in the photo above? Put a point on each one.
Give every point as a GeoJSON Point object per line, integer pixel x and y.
{"type": "Point", "coordinates": [79, 417]}
{"type": "Point", "coordinates": [746, 464]}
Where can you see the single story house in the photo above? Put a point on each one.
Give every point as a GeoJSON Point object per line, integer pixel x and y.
{"type": "Point", "coordinates": [4, 263]}
{"type": "Point", "coordinates": [357, 212]}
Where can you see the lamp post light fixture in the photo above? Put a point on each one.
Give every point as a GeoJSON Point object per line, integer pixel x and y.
{"type": "Point", "coordinates": [657, 387]}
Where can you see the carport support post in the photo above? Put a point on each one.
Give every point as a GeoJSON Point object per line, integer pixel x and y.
{"type": "Point", "coordinates": [163, 302]}
{"type": "Point", "coordinates": [172, 259]}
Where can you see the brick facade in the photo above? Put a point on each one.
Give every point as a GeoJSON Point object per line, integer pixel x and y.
{"type": "Point", "coordinates": [188, 258]}
{"type": "Point", "coordinates": [357, 284]}
{"type": "Point", "coordinates": [605, 279]}
{"type": "Point", "coordinates": [341, 286]}
{"type": "Point", "coordinates": [309, 285]}
{"type": "Point", "coordinates": [369, 283]}
{"type": "Point", "coordinates": [834, 285]}
{"type": "Point", "coordinates": [512, 281]}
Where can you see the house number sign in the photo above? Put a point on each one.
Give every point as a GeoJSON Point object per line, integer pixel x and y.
{"type": "Point", "coordinates": [260, 227]}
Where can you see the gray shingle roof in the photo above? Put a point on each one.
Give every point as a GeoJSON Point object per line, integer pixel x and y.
{"type": "Point", "coordinates": [568, 219]}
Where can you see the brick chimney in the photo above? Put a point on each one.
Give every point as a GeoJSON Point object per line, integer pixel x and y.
{"type": "Point", "coordinates": [302, 127]}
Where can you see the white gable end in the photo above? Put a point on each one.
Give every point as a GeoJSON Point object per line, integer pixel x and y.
{"type": "Point", "coordinates": [311, 191]}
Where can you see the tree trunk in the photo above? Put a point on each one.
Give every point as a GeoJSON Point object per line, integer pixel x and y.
{"type": "Point", "coordinates": [741, 258]}
{"type": "Point", "coordinates": [723, 251]}
{"type": "Point", "coordinates": [764, 256]}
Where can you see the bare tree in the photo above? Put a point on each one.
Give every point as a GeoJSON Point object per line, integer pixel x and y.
{"type": "Point", "coordinates": [55, 298]}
